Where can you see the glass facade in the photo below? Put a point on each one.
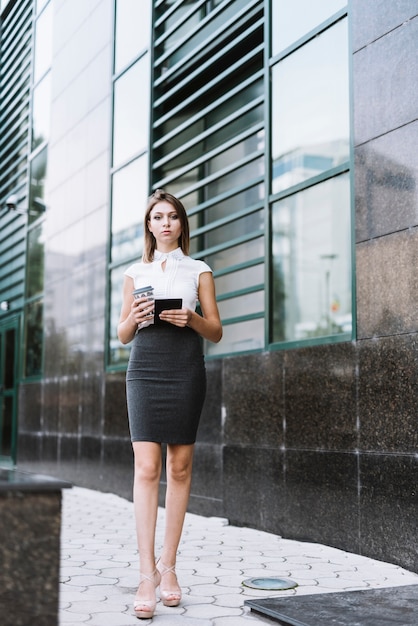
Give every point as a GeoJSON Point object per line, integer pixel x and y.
{"type": "Point", "coordinates": [131, 112]}
{"type": "Point", "coordinates": [38, 175]}
{"type": "Point", "coordinates": [129, 191]}
{"type": "Point", "coordinates": [43, 42]}
{"type": "Point", "coordinates": [256, 146]}
{"type": "Point", "coordinates": [310, 109]}
{"type": "Point", "coordinates": [33, 338]}
{"type": "Point", "coordinates": [292, 21]}
{"type": "Point", "coordinates": [15, 73]}
{"type": "Point", "coordinates": [38, 169]}
{"type": "Point", "coordinates": [41, 112]}
{"type": "Point", "coordinates": [130, 156]}
{"type": "Point", "coordinates": [207, 147]}
{"type": "Point", "coordinates": [311, 289]}
{"type": "Point", "coordinates": [35, 270]}
{"type": "Point", "coordinates": [132, 30]}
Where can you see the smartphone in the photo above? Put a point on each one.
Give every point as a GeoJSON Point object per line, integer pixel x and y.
{"type": "Point", "coordinates": [165, 304]}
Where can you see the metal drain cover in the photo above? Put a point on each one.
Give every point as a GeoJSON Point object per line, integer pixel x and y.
{"type": "Point", "coordinates": [270, 583]}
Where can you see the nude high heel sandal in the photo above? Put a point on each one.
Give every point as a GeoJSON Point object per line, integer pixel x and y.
{"type": "Point", "coordinates": [169, 597]}
{"type": "Point", "coordinates": [144, 609]}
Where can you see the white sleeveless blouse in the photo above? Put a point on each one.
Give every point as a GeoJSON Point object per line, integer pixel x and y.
{"type": "Point", "coordinates": [179, 279]}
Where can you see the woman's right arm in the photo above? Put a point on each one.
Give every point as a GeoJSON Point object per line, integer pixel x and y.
{"type": "Point", "coordinates": [132, 313]}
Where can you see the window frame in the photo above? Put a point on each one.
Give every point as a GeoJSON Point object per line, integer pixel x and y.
{"type": "Point", "coordinates": [272, 198]}
{"type": "Point", "coordinates": [120, 264]}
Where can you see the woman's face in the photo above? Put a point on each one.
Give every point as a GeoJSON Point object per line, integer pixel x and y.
{"type": "Point", "coordinates": [164, 223]}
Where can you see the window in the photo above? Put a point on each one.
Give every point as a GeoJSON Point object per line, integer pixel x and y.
{"type": "Point", "coordinates": [38, 173]}
{"type": "Point", "coordinates": [43, 43]}
{"type": "Point", "coordinates": [133, 29]}
{"type": "Point", "coordinates": [34, 338]}
{"type": "Point", "coordinates": [310, 104]}
{"type": "Point", "coordinates": [118, 353]}
{"type": "Point", "coordinates": [311, 281]}
{"type": "Point", "coordinates": [35, 261]}
{"type": "Point", "coordinates": [311, 273]}
{"type": "Point", "coordinates": [209, 149]}
{"type": "Point", "coordinates": [40, 5]}
{"type": "Point", "coordinates": [131, 112]}
{"type": "Point", "coordinates": [129, 194]}
{"type": "Point", "coordinates": [293, 20]}
{"type": "Point", "coordinates": [130, 171]}
{"type": "Point", "coordinates": [41, 112]}
{"type": "Point", "coordinates": [38, 167]}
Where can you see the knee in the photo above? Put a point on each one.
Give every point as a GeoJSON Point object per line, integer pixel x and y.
{"type": "Point", "coordinates": [147, 471]}
{"type": "Point", "coordinates": [179, 472]}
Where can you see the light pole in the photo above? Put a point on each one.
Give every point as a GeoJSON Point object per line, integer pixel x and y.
{"type": "Point", "coordinates": [328, 257]}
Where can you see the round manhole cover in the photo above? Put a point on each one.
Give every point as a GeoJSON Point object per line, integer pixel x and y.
{"type": "Point", "coordinates": [270, 583]}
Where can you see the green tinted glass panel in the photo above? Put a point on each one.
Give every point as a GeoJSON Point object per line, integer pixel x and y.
{"type": "Point", "coordinates": [185, 25]}
{"type": "Point", "coordinates": [292, 20]}
{"type": "Point", "coordinates": [9, 359]}
{"type": "Point", "coordinates": [118, 353]}
{"type": "Point", "coordinates": [133, 29]}
{"type": "Point", "coordinates": [311, 250]}
{"type": "Point", "coordinates": [252, 249]}
{"type": "Point", "coordinates": [129, 197]}
{"type": "Point", "coordinates": [310, 109]}
{"type": "Point", "coordinates": [41, 112]}
{"type": "Point", "coordinates": [238, 306]}
{"type": "Point", "coordinates": [240, 337]}
{"type": "Point", "coordinates": [43, 43]}
{"type": "Point", "coordinates": [240, 279]}
{"type": "Point", "coordinates": [238, 228]}
{"type": "Point", "coordinates": [34, 338]}
{"type": "Point", "coordinates": [131, 112]}
{"type": "Point", "coordinates": [184, 39]}
{"type": "Point", "coordinates": [184, 142]}
{"type": "Point", "coordinates": [35, 265]}
{"type": "Point", "coordinates": [40, 5]}
{"type": "Point", "coordinates": [38, 174]}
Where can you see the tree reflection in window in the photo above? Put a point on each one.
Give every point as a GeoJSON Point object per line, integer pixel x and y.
{"type": "Point", "coordinates": [38, 173]}
{"type": "Point", "coordinates": [35, 266]}
{"type": "Point", "coordinates": [34, 338]}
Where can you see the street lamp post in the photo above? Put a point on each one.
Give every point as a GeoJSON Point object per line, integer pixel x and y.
{"type": "Point", "coordinates": [328, 257]}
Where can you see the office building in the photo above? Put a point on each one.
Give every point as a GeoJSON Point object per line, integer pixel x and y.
{"type": "Point", "coordinates": [289, 131]}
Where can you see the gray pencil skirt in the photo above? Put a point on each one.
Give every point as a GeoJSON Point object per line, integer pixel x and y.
{"type": "Point", "coordinates": [165, 385]}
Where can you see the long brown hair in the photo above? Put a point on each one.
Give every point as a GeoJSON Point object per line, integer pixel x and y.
{"type": "Point", "coordinates": [160, 195]}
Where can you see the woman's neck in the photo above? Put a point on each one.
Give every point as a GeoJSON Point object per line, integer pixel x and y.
{"type": "Point", "coordinates": [162, 249]}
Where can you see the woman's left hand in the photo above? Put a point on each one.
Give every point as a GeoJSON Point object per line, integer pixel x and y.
{"type": "Point", "coordinates": [177, 317]}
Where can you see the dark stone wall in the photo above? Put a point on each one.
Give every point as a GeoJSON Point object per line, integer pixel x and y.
{"type": "Point", "coordinates": [385, 63]}
{"type": "Point", "coordinates": [317, 444]}
{"type": "Point", "coordinates": [327, 451]}
{"type": "Point", "coordinates": [30, 557]}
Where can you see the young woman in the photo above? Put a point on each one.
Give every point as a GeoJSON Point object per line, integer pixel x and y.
{"type": "Point", "coordinates": [166, 385]}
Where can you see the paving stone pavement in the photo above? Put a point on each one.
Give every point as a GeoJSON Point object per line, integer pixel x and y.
{"type": "Point", "coordinates": [99, 567]}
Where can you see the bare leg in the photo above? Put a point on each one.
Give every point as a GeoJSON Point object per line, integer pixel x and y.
{"type": "Point", "coordinates": [179, 477]}
{"type": "Point", "coordinates": [147, 456]}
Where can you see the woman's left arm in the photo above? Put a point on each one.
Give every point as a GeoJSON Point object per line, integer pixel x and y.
{"type": "Point", "coordinates": [209, 326]}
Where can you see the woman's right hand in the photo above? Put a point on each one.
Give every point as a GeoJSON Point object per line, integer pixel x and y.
{"type": "Point", "coordinates": [134, 312]}
{"type": "Point", "coordinates": [142, 310]}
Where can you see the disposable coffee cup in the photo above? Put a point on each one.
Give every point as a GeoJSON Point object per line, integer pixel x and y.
{"type": "Point", "coordinates": [145, 292]}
